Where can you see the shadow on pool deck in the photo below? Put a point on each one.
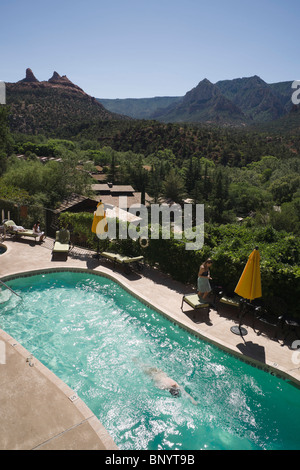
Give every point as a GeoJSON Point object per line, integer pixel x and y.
{"type": "Point", "coordinates": [38, 411]}
{"type": "Point", "coordinates": [250, 349]}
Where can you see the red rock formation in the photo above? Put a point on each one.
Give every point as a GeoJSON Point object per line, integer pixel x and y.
{"type": "Point", "coordinates": [30, 78]}
{"type": "Point", "coordinates": [55, 77]}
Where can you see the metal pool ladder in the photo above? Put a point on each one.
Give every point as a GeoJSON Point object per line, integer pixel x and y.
{"type": "Point", "coordinates": [5, 285]}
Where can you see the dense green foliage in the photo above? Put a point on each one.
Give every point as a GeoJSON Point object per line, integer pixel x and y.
{"type": "Point", "coordinates": [6, 140]}
{"type": "Point", "coordinates": [48, 183]}
{"type": "Point", "coordinates": [225, 146]}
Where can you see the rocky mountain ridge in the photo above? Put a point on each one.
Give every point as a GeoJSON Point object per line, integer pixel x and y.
{"type": "Point", "coordinates": [55, 80]}
{"type": "Point", "coordinates": [57, 105]}
{"type": "Point", "coordinates": [206, 103]}
{"type": "Point", "coordinates": [240, 101]}
{"type": "Point", "coordinates": [52, 106]}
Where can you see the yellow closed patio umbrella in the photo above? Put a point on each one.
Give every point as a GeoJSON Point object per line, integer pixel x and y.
{"type": "Point", "coordinates": [99, 225]}
{"type": "Point", "coordinates": [249, 285]}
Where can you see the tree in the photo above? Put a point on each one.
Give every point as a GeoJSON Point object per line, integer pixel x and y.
{"type": "Point", "coordinates": [6, 140]}
{"type": "Point", "coordinates": [173, 187]}
{"type": "Point", "coordinates": [192, 174]}
{"type": "Point", "coordinates": [283, 188]}
{"type": "Point", "coordinates": [288, 218]}
{"type": "Point", "coordinates": [245, 198]}
{"type": "Point", "coordinates": [218, 197]}
{"type": "Point", "coordinates": [112, 173]}
{"type": "Point", "coordinates": [155, 183]}
{"type": "Point", "coordinates": [206, 183]}
{"type": "Point", "coordinates": [48, 183]}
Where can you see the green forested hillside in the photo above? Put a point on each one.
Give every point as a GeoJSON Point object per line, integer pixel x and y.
{"type": "Point", "coordinates": [138, 108]}
{"type": "Point", "coordinates": [51, 109]}
{"type": "Point", "coordinates": [233, 147]}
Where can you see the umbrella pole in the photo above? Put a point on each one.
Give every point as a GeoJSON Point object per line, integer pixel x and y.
{"type": "Point", "coordinates": [250, 274]}
{"type": "Point", "coordinates": [98, 250]}
{"type": "Point", "coordinates": [238, 329]}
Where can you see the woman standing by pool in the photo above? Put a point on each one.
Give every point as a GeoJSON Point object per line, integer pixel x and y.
{"type": "Point", "coordinates": [203, 284]}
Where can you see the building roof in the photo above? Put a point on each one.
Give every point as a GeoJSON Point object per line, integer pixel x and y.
{"type": "Point", "coordinates": [111, 206]}
{"type": "Point", "coordinates": [135, 198]}
{"type": "Point", "coordinates": [75, 200]}
{"type": "Point", "coordinates": [105, 187]}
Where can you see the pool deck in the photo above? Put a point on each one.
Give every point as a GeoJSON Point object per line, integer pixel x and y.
{"type": "Point", "coordinates": [39, 411]}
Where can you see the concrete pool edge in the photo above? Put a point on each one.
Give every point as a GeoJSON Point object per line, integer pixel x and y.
{"type": "Point", "coordinates": [76, 432]}
{"type": "Point", "coordinates": [270, 367]}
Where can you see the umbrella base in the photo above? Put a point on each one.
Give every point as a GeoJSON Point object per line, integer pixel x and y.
{"type": "Point", "coordinates": [238, 330]}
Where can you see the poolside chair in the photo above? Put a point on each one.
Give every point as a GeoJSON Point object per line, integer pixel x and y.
{"type": "Point", "coordinates": [126, 261]}
{"type": "Point", "coordinates": [234, 301]}
{"type": "Point", "coordinates": [195, 302]}
{"type": "Point", "coordinates": [272, 312]}
{"type": "Point", "coordinates": [62, 243]}
{"type": "Point", "coordinates": [15, 230]}
{"type": "Point", "coordinates": [226, 298]}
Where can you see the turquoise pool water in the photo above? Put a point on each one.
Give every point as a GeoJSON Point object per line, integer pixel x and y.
{"type": "Point", "coordinates": [97, 338]}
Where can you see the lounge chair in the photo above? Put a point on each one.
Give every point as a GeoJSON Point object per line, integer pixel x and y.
{"type": "Point", "coordinates": [232, 301]}
{"type": "Point", "coordinates": [62, 243]}
{"type": "Point", "coordinates": [17, 231]}
{"type": "Point", "coordinates": [126, 261]}
{"type": "Point", "coordinates": [195, 302]}
{"type": "Point", "coordinates": [229, 299]}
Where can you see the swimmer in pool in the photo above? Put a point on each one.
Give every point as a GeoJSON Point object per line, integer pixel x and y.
{"type": "Point", "coordinates": [162, 381]}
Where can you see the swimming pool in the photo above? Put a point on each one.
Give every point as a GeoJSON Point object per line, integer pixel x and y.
{"type": "Point", "coordinates": [98, 339]}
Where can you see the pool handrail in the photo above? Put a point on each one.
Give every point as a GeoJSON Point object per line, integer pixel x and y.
{"type": "Point", "coordinates": [5, 285]}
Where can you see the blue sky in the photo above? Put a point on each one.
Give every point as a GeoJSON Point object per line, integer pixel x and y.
{"type": "Point", "coordinates": [142, 48]}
